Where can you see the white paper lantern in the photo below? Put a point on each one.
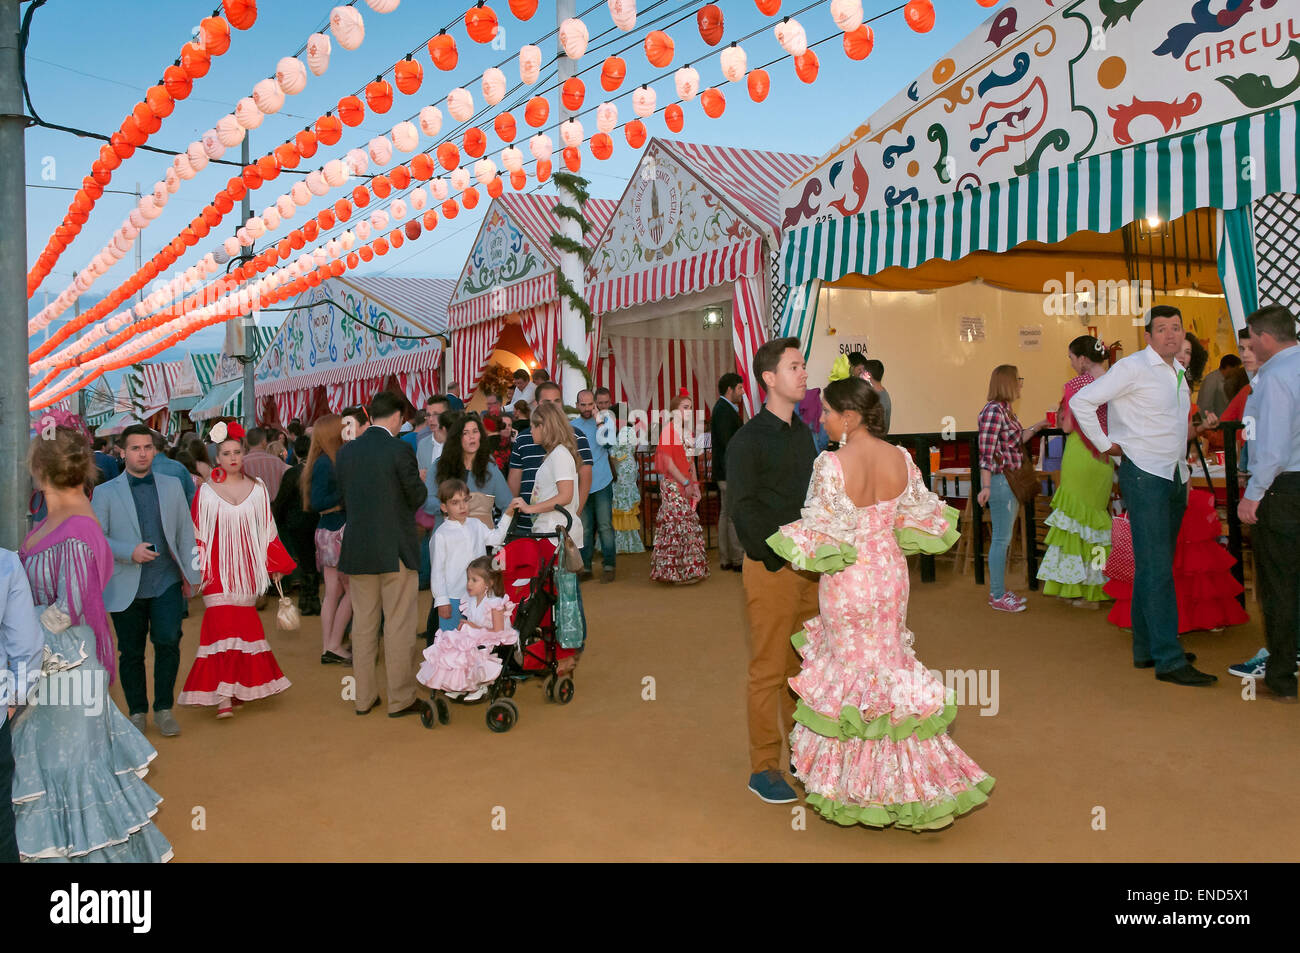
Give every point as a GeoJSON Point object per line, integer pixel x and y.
{"type": "Point", "coordinates": [347, 240]}
{"type": "Point", "coordinates": [643, 101]}
{"type": "Point", "coordinates": [530, 64]}
{"type": "Point", "coordinates": [230, 131]}
{"type": "Point", "coordinates": [300, 194]}
{"type": "Point", "coordinates": [460, 104]}
{"type": "Point", "coordinates": [606, 117]}
{"type": "Point", "coordinates": [571, 133]}
{"type": "Point", "coordinates": [247, 113]}
{"type": "Point", "coordinates": [398, 209]}
{"type": "Point", "coordinates": [291, 74]}
{"type": "Point", "coordinates": [213, 145]}
{"type": "Point", "coordinates": [364, 230]}
{"type": "Point", "coordinates": [245, 237]}
{"type": "Point", "coordinates": [541, 147]}
{"type": "Point", "coordinates": [357, 161]}
{"type": "Point", "coordinates": [623, 13]}
{"type": "Point", "coordinates": [438, 189]}
{"type": "Point", "coordinates": [573, 38]}
{"type": "Point", "coordinates": [181, 163]}
{"type": "Point", "coordinates": [847, 14]}
{"type": "Point", "coordinates": [688, 83]}
{"type": "Point", "coordinates": [381, 150]}
{"type": "Point", "coordinates": [383, 6]}
{"type": "Point", "coordinates": [172, 180]}
{"type": "Point", "coordinates": [430, 120]}
{"type": "Point", "coordinates": [347, 26]}
{"type": "Point", "coordinates": [459, 180]}
{"type": "Point", "coordinates": [419, 198]}
{"type": "Point", "coordinates": [285, 206]}
{"type": "Point", "coordinates": [791, 36]}
{"type": "Point", "coordinates": [485, 170]}
{"type": "Point", "coordinates": [405, 136]}
{"type": "Point", "coordinates": [271, 215]}
{"type": "Point", "coordinates": [318, 53]}
{"type": "Point", "coordinates": [316, 183]}
{"type": "Point", "coordinates": [268, 96]}
{"type": "Point", "coordinates": [735, 63]}
{"type": "Point", "coordinates": [379, 219]}
{"type": "Point", "coordinates": [494, 85]}
{"type": "Point", "coordinates": [198, 158]}
{"type": "Point", "coordinates": [512, 158]}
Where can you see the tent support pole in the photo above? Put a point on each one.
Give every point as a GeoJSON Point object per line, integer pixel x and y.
{"type": "Point", "coordinates": [14, 413]}
{"type": "Point", "coordinates": [573, 329]}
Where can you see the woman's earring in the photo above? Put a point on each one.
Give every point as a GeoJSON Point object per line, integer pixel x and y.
{"type": "Point", "coordinates": [844, 435]}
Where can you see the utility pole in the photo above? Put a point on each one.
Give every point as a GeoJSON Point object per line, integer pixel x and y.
{"type": "Point", "coordinates": [573, 330]}
{"type": "Point", "coordinates": [15, 415]}
{"type": "Point", "coordinates": [241, 330]}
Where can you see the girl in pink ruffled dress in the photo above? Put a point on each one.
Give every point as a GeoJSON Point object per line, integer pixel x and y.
{"type": "Point", "coordinates": [870, 741]}
{"type": "Point", "coordinates": [460, 661]}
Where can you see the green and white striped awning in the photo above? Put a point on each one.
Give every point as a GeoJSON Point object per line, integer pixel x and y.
{"type": "Point", "coordinates": [223, 400]}
{"type": "Point", "coordinates": [1225, 167]}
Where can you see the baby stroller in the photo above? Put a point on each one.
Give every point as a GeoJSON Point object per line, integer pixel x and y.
{"type": "Point", "coordinates": [529, 577]}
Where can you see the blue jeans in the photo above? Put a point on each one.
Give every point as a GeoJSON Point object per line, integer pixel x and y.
{"type": "Point", "coordinates": [1155, 511]}
{"type": "Point", "coordinates": [1002, 513]}
{"type": "Point", "coordinates": [598, 516]}
{"type": "Point", "coordinates": [159, 620]}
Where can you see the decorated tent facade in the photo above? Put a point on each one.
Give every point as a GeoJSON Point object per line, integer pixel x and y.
{"type": "Point", "coordinates": [348, 338]}
{"type": "Point", "coordinates": [1058, 139]}
{"type": "Point", "coordinates": [225, 395]}
{"type": "Point", "coordinates": [507, 290]}
{"type": "Point", "coordinates": [187, 381]}
{"type": "Point", "coordinates": [694, 232]}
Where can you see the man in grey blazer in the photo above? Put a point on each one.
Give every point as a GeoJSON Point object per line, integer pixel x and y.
{"type": "Point", "coordinates": [155, 559]}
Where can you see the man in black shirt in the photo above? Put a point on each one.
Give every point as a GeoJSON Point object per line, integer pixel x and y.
{"type": "Point", "coordinates": [723, 426]}
{"type": "Point", "coordinates": [769, 467]}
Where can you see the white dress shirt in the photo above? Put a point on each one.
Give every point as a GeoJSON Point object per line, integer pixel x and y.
{"type": "Point", "coordinates": [1149, 405]}
{"type": "Point", "coordinates": [21, 637]}
{"type": "Point", "coordinates": [527, 394]}
{"type": "Point", "coordinates": [1274, 407]}
{"type": "Point", "coordinates": [453, 547]}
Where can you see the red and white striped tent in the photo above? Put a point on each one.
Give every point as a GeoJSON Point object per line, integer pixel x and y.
{"type": "Point", "coordinates": [695, 232]}
{"type": "Point", "coordinates": [349, 338]}
{"type": "Point", "coordinates": [509, 278]}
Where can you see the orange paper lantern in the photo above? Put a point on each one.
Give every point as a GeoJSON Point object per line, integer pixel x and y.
{"type": "Point", "coordinates": [806, 66]}
{"type": "Point", "coordinates": [211, 215]}
{"type": "Point", "coordinates": [283, 249]}
{"type": "Point", "coordinates": [759, 83]}
{"type": "Point", "coordinates": [252, 178]}
{"type": "Point", "coordinates": [768, 7]}
{"type": "Point", "coordinates": [287, 155]}
{"type": "Point", "coordinates": [160, 101]}
{"type": "Point", "coordinates": [343, 210]}
{"type": "Point", "coordinates": [714, 103]}
{"type": "Point", "coordinates": [572, 158]}
{"type": "Point", "coordinates": [469, 198]}
{"type": "Point", "coordinates": [634, 132]}
{"type": "Point", "coordinates": [536, 111]}
{"type": "Point", "coordinates": [919, 15]}
{"type": "Point", "coordinates": [329, 130]}
{"type": "Point", "coordinates": [859, 43]}
{"type": "Point", "coordinates": [448, 156]}
{"type": "Point", "coordinates": [495, 187]}
{"type": "Point", "coordinates": [612, 73]}
{"type": "Point", "coordinates": [351, 111]}
{"type": "Point", "coordinates": [442, 50]}
{"type": "Point", "coordinates": [481, 23]}
{"type": "Point", "coordinates": [215, 35]}
{"type": "Point", "coordinates": [141, 113]}
{"type": "Point", "coordinates": [674, 118]}
{"type": "Point", "coordinates": [573, 92]}
{"type": "Point", "coordinates": [602, 146]}
{"type": "Point", "coordinates": [430, 219]}
{"type": "Point", "coordinates": [379, 95]}
{"type": "Point", "coordinates": [296, 239]}
{"type": "Point", "coordinates": [658, 48]}
{"type": "Point", "coordinates": [400, 176]}
{"type": "Point", "coordinates": [709, 19]}
{"type": "Point", "coordinates": [361, 196]}
{"type": "Point", "coordinates": [325, 218]}
{"type": "Point", "coordinates": [223, 202]}
{"type": "Point", "coordinates": [543, 169]}
{"type": "Point", "coordinates": [381, 186]}
{"type": "Point", "coordinates": [475, 142]}
{"type": "Point", "coordinates": [195, 60]}
{"type": "Point", "coordinates": [505, 127]}
{"type": "Point", "coordinates": [353, 259]}
{"type": "Point", "coordinates": [366, 253]}
{"type": "Point", "coordinates": [310, 230]}
{"type": "Point", "coordinates": [305, 143]}
{"type": "Point", "coordinates": [450, 209]}
{"type": "Point", "coordinates": [518, 179]}
{"type": "Point", "coordinates": [177, 82]}
{"type": "Point", "coordinates": [523, 9]}
{"type": "Point", "coordinates": [108, 155]}
{"type": "Point", "coordinates": [409, 75]}
{"type": "Point", "coordinates": [395, 238]}
{"type": "Point", "coordinates": [422, 167]}
{"type": "Point", "coordinates": [267, 167]}
{"type": "Point", "coordinates": [241, 14]}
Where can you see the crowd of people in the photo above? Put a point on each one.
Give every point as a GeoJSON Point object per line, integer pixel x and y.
{"type": "Point", "coordinates": [366, 507]}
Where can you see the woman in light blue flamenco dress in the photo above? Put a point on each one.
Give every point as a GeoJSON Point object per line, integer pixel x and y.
{"type": "Point", "coordinates": [870, 741]}
{"type": "Point", "coordinates": [78, 791]}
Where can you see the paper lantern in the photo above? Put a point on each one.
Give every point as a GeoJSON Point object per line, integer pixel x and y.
{"type": "Point", "coordinates": [623, 13]}
{"type": "Point", "coordinates": [347, 26]}
{"type": "Point", "coordinates": [919, 15]}
{"type": "Point", "coordinates": [571, 133]}
{"type": "Point", "coordinates": [159, 101]}
{"type": "Point", "coordinates": [495, 188]}
{"type": "Point", "coordinates": [573, 38]}
{"type": "Point", "coordinates": [612, 73]}
{"type": "Point", "coordinates": [530, 64]}
{"type": "Point", "coordinates": [430, 120]}
{"type": "Point", "coordinates": [256, 227]}
{"type": "Point", "coordinates": [364, 231]}
{"type": "Point", "coordinates": [318, 53]}
{"type": "Point", "coordinates": [287, 155]}
{"type": "Point", "coordinates": [505, 127]}
{"type": "Point", "coordinates": [361, 196]}
{"type": "Point", "coordinates": [268, 96]}
{"type": "Point", "coordinates": [438, 189]}
{"type": "Point", "coordinates": [379, 95]}
{"type": "Point", "coordinates": [195, 60]}
{"type": "Point", "coordinates": [572, 93]}
{"type": "Point", "coordinates": [474, 142]}
{"type": "Point", "coordinates": [512, 158]}
{"type": "Point", "coordinates": [343, 210]}
{"type": "Point", "coordinates": [606, 117]}
{"type": "Point", "coordinates": [714, 103]}
{"type": "Point", "coordinates": [235, 188]}
{"type": "Point", "coordinates": [518, 180]}
{"type": "Point", "coordinates": [177, 82]}
{"type": "Point", "coordinates": [859, 43]}
{"type": "Point", "coordinates": [147, 121]}
{"type": "Point", "coordinates": [430, 220]}
{"type": "Point", "coordinates": [485, 170]}
{"type": "Point", "coordinates": [351, 111]}
{"type": "Point", "coordinates": [806, 66]}
{"type": "Point", "coordinates": [214, 34]}
{"type": "Point", "coordinates": [356, 161]}
{"type": "Point", "coordinates": [316, 183]}
{"type": "Point", "coordinates": [523, 9]}
{"type": "Point", "coordinates": [286, 207]}
{"type": "Point", "coordinates": [460, 179]}
{"type": "Point", "coordinates": [635, 133]}
{"type": "Point", "coordinates": [537, 111]}
{"type": "Point", "coordinates": [790, 34]}
{"type": "Point", "coordinates": [405, 136]}
{"type": "Point", "coordinates": [381, 150]}
{"type": "Point", "coordinates": [572, 158]}
{"type": "Point", "coordinates": [674, 118]}
{"type": "Point", "coordinates": [442, 51]}
{"type": "Point", "coordinates": [450, 209]}
{"type": "Point", "coordinates": [709, 19]}
{"type": "Point", "coordinates": [760, 84]}
{"type": "Point", "coordinates": [688, 82]}
{"type": "Point", "coordinates": [412, 229]}
{"type": "Point", "coordinates": [734, 63]}
{"type": "Point", "coordinates": [310, 230]}
{"type": "Point", "coordinates": [494, 85]}
{"type": "Point", "coordinates": [247, 114]}
{"type": "Point", "coordinates": [419, 198]}
{"type": "Point", "coordinates": [213, 147]}
{"type": "Point", "coordinates": [400, 176]}
{"type": "Point", "coordinates": [305, 143]}
{"type": "Point", "coordinates": [132, 131]}
{"type": "Point", "coordinates": [300, 194]}
{"type": "Point", "coordinates": [329, 130]}
{"type": "Point", "coordinates": [408, 75]}
{"type": "Point", "coordinates": [422, 167]}
{"type": "Point", "coordinates": [541, 146]}
{"type": "Point", "coordinates": [460, 104]}
{"type": "Point", "coordinates": [448, 155]}
{"type": "Point", "coordinates": [252, 178]}
{"type": "Point", "coordinates": [381, 246]}
{"type": "Point", "coordinates": [602, 146]}
{"type": "Point", "coordinates": [847, 14]}
{"type": "Point", "coordinates": [643, 102]}
{"type": "Point", "coordinates": [291, 75]}
{"type": "Point", "coordinates": [481, 23]}
{"type": "Point", "coordinates": [268, 167]}
{"type": "Point", "coordinates": [768, 8]}
{"type": "Point", "coordinates": [241, 14]}
{"type": "Point", "coordinates": [658, 48]}
{"type": "Point", "coordinates": [383, 6]}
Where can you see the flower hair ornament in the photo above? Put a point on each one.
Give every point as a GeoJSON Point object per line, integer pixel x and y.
{"type": "Point", "coordinates": [223, 431]}
{"type": "Point", "coordinates": [841, 369]}
{"type": "Point", "coordinates": [67, 420]}
{"type": "Point", "coordinates": [499, 561]}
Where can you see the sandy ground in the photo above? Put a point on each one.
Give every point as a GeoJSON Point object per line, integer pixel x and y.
{"type": "Point", "coordinates": [649, 761]}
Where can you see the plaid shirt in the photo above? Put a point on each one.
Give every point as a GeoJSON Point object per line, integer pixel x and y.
{"type": "Point", "coordinates": [999, 438]}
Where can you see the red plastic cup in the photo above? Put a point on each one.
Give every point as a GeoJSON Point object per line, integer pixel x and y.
{"type": "Point", "coordinates": [1051, 418]}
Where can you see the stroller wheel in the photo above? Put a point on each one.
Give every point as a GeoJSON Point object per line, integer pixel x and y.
{"type": "Point", "coordinates": [502, 715]}
{"type": "Point", "coordinates": [444, 710]}
{"type": "Point", "coordinates": [564, 690]}
{"type": "Point", "coordinates": [549, 687]}
{"type": "Point", "coordinates": [426, 716]}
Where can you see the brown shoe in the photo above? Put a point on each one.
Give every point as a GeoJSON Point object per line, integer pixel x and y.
{"type": "Point", "coordinates": [607, 575]}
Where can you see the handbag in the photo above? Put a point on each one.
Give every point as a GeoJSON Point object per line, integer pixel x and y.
{"type": "Point", "coordinates": [287, 618]}
{"type": "Point", "coordinates": [1024, 480]}
{"type": "Point", "coordinates": [572, 555]}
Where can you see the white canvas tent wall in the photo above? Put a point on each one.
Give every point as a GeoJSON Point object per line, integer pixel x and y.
{"type": "Point", "coordinates": [695, 228]}
{"type": "Point", "coordinates": [1033, 128]}
{"type": "Point", "coordinates": [328, 355]}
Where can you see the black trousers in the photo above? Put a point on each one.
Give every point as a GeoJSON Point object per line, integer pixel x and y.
{"type": "Point", "coordinates": [8, 833]}
{"type": "Point", "coordinates": [158, 618]}
{"type": "Point", "coordinates": [1276, 538]}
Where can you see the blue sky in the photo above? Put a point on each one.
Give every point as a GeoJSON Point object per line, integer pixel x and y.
{"type": "Point", "coordinates": [86, 67]}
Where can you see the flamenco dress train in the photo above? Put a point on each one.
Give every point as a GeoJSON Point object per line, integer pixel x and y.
{"type": "Point", "coordinates": [870, 742]}
{"type": "Point", "coordinates": [79, 764]}
{"type": "Point", "coordinates": [1078, 536]}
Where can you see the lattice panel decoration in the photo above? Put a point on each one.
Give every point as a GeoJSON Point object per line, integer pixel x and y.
{"type": "Point", "coordinates": [1277, 249]}
{"type": "Point", "coordinates": [780, 291]}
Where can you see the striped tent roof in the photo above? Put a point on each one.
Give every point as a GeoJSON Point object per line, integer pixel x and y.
{"type": "Point", "coordinates": [534, 216]}
{"type": "Point", "coordinates": [421, 301]}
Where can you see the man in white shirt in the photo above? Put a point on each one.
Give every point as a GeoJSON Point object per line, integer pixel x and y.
{"type": "Point", "coordinates": [1149, 409]}
{"type": "Point", "coordinates": [525, 389]}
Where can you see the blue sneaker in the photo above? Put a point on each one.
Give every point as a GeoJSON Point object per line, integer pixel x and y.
{"type": "Point", "coordinates": [770, 786]}
{"type": "Point", "coordinates": [1254, 668]}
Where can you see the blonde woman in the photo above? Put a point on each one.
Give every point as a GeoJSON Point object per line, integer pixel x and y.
{"type": "Point", "coordinates": [556, 483]}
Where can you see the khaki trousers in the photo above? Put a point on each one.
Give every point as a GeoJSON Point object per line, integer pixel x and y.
{"type": "Point", "coordinates": [729, 550]}
{"type": "Point", "coordinates": [394, 594]}
{"type": "Point", "coordinates": [777, 604]}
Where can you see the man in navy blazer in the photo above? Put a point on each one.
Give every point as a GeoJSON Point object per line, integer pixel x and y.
{"type": "Point", "coordinates": [155, 559]}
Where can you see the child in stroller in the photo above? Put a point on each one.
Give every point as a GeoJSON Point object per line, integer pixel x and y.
{"type": "Point", "coordinates": [460, 663]}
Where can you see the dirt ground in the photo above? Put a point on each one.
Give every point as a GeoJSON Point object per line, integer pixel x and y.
{"type": "Point", "coordinates": [649, 760]}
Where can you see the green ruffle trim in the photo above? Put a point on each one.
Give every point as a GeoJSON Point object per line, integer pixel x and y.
{"type": "Point", "coordinates": [1074, 590]}
{"type": "Point", "coordinates": [829, 557]}
{"type": "Point", "coordinates": [850, 724]}
{"type": "Point", "coordinates": [913, 541]}
{"type": "Point", "coordinates": [912, 815]}
{"type": "Point", "coordinates": [1095, 518]}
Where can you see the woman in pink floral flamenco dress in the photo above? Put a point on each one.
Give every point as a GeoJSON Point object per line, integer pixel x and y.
{"type": "Point", "coordinates": [870, 740]}
{"type": "Point", "coordinates": [240, 553]}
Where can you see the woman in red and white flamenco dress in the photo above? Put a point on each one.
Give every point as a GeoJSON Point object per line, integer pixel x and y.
{"type": "Point", "coordinates": [240, 553]}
